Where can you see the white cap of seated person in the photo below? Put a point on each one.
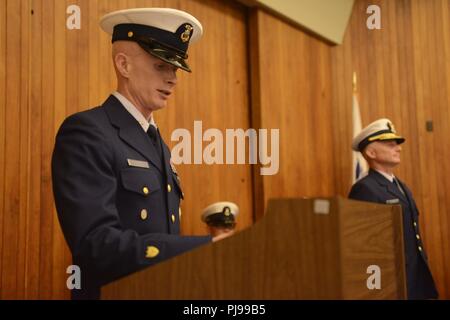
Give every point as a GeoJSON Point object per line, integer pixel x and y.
{"type": "Point", "coordinates": [220, 217]}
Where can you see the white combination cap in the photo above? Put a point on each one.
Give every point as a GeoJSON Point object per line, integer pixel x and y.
{"type": "Point", "coordinates": [163, 32]}
{"type": "Point", "coordinates": [379, 130]}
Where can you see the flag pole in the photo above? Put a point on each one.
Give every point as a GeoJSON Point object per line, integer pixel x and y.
{"type": "Point", "coordinates": [359, 164]}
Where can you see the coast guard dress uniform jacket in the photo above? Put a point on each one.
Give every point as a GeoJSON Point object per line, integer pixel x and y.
{"type": "Point", "coordinates": [376, 188]}
{"type": "Point", "coordinates": [117, 200]}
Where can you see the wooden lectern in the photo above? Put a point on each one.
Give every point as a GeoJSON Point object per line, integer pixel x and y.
{"type": "Point", "coordinates": [301, 249]}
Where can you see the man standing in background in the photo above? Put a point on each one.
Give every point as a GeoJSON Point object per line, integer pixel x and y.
{"type": "Point", "coordinates": [380, 146]}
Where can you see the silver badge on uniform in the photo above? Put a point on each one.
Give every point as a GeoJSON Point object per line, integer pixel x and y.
{"type": "Point", "coordinates": [138, 163]}
{"type": "Point", "coordinates": [392, 201]}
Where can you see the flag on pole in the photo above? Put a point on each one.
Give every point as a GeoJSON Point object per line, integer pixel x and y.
{"type": "Point", "coordinates": [360, 167]}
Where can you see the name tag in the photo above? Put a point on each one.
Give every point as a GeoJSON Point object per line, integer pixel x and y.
{"type": "Point", "coordinates": [392, 201]}
{"type": "Point", "coordinates": [138, 163]}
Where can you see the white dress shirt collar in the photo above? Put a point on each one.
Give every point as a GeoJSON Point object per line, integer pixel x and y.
{"type": "Point", "coordinates": [390, 177]}
{"type": "Point", "coordinates": [135, 112]}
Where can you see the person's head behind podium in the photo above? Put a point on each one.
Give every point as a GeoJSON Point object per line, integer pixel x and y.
{"type": "Point", "coordinates": [220, 217]}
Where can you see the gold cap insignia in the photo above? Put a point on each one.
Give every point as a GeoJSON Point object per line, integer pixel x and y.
{"type": "Point", "coordinates": [391, 127]}
{"type": "Point", "coordinates": [186, 35]}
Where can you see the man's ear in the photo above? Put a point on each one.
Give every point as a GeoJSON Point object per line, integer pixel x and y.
{"type": "Point", "coordinates": [369, 153]}
{"type": "Point", "coordinates": [122, 63]}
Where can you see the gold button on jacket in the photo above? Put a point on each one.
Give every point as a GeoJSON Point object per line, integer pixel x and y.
{"type": "Point", "coordinates": [152, 252]}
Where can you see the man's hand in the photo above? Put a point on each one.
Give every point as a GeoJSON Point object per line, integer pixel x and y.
{"type": "Point", "coordinates": [220, 233]}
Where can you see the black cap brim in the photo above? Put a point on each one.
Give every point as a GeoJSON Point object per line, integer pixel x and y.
{"type": "Point", "coordinates": [168, 56]}
{"type": "Point", "coordinates": [219, 219]}
{"type": "Point", "coordinates": [383, 136]}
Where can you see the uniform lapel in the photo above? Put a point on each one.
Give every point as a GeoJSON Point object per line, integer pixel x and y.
{"type": "Point", "coordinates": [408, 195]}
{"type": "Point", "coordinates": [130, 131]}
{"type": "Point", "coordinates": [166, 154]}
{"type": "Point", "coordinates": [390, 187]}
{"type": "Point", "coordinates": [170, 171]}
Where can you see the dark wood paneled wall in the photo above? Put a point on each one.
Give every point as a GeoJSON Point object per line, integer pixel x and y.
{"type": "Point", "coordinates": [48, 72]}
{"type": "Point", "coordinates": [403, 74]}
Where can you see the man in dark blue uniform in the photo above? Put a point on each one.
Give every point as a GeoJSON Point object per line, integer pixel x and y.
{"type": "Point", "coordinates": [116, 193]}
{"type": "Point", "coordinates": [380, 146]}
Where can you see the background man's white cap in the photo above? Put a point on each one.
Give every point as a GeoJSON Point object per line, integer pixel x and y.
{"type": "Point", "coordinates": [163, 32]}
{"type": "Point", "coordinates": [221, 214]}
{"type": "Point", "coordinates": [379, 130]}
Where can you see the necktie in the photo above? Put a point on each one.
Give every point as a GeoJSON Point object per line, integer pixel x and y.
{"type": "Point", "coordinates": [397, 185]}
{"type": "Point", "coordinates": [156, 139]}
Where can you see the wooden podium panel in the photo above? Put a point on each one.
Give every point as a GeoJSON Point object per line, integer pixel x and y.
{"type": "Point", "coordinates": [301, 249]}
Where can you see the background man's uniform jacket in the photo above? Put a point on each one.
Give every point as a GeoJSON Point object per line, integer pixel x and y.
{"type": "Point", "coordinates": [376, 188]}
